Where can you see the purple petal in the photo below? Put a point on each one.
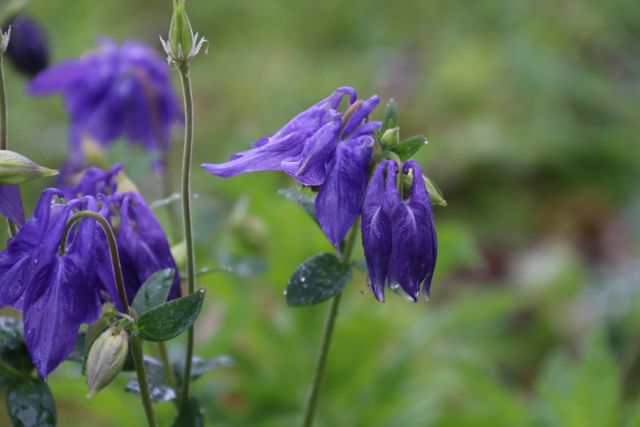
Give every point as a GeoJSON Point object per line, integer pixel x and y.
{"type": "Point", "coordinates": [11, 204]}
{"type": "Point", "coordinates": [340, 197]}
{"type": "Point", "coordinates": [413, 238]}
{"type": "Point", "coordinates": [312, 168]}
{"type": "Point", "coordinates": [376, 226]}
{"type": "Point", "coordinates": [360, 114]}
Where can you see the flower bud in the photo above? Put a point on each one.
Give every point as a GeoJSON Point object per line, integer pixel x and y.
{"type": "Point", "coordinates": [17, 169]}
{"type": "Point", "coordinates": [180, 32]}
{"type": "Point", "coordinates": [28, 50]}
{"type": "Point", "coordinates": [4, 40]}
{"type": "Point", "coordinates": [390, 138]}
{"type": "Point", "coordinates": [106, 358]}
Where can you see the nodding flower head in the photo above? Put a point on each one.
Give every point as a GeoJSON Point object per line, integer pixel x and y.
{"type": "Point", "coordinates": [114, 91]}
{"type": "Point", "coordinates": [28, 48]}
{"type": "Point", "coordinates": [320, 147]}
{"type": "Point", "coordinates": [398, 235]}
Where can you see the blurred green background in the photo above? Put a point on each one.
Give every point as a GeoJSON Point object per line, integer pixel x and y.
{"type": "Point", "coordinates": [531, 110]}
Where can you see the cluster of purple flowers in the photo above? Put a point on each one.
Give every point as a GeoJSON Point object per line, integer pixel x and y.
{"type": "Point", "coordinates": [332, 151]}
{"type": "Point", "coordinates": [59, 290]}
{"type": "Point", "coordinates": [114, 91]}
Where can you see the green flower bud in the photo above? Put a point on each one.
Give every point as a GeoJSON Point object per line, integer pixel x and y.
{"type": "Point", "coordinates": [106, 358]}
{"type": "Point", "coordinates": [182, 43]}
{"type": "Point", "coordinates": [17, 169]}
{"type": "Point", "coordinates": [180, 32]}
{"type": "Point", "coordinates": [390, 138]}
{"type": "Point", "coordinates": [4, 40]}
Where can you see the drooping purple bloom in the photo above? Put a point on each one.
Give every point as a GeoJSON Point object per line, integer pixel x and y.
{"type": "Point", "coordinates": [398, 235]}
{"type": "Point", "coordinates": [57, 291]}
{"type": "Point", "coordinates": [28, 48]}
{"type": "Point", "coordinates": [320, 147]}
{"type": "Point", "coordinates": [114, 91]}
{"type": "Point", "coordinates": [142, 243]}
{"type": "Point", "coordinates": [11, 203]}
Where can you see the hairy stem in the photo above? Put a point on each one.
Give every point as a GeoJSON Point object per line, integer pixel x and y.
{"type": "Point", "coordinates": [186, 219]}
{"type": "Point", "coordinates": [314, 394]}
{"type": "Point", "coordinates": [136, 346]}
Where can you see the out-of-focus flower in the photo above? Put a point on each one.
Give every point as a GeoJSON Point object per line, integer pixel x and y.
{"type": "Point", "coordinates": [114, 91]}
{"type": "Point", "coordinates": [11, 203]}
{"type": "Point", "coordinates": [57, 291]}
{"type": "Point", "coordinates": [398, 236]}
{"type": "Point", "coordinates": [28, 48]}
{"type": "Point", "coordinates": [320, 147]}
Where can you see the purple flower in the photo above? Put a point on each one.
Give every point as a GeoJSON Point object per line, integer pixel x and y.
{"type": "Point", "coordinates": [57, 291]}
{"type": "Point", "coordinates": [11, 204]}
{"type": "Point", "coordinates": [28, 48]}
{"type": "Point", "coordinates": [114, 91]}
{"type": "Point", "coordinates": [398, 236]}
{"type": "Point", "coordinates": [320, 147]}
{"type": "Point", "coordinates": [142, 243]}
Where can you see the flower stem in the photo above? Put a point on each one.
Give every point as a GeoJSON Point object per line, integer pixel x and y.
{"type": "Point", "coordinates": [186, 218]}
{"type": "Point", "coordinates": [4, 126]}
{"type": "Point", "coordinates": [314, 394]}
{"type": "Point", "coordinates": [136, 346]}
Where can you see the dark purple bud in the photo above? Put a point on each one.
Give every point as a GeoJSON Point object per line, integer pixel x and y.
{"type": "Point", "coordinates": [28, 48]}
{"type": "Point", "coordinates": [414, 243]}
{"type": "Point", "coordinates": [376, 224]}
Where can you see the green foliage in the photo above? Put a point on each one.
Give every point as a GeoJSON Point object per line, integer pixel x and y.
{"type": "Point", "coordinates": [170, 319]}
{"type": "Point", "coordinates": [30, 404]}
{"type": "Point", "coordinates": [154, 291]}
{"type": "Point", "coordinates": [316, 280]}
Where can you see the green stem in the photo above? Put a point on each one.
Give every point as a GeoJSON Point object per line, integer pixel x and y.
{"type": "Point", "coordinates": [4, 127]}
{"type": "Point", "coordinates": [138, 361]}
{"type": "Point", "coordinates": [136, 347]}
{"type": "Point", "coordinates": [186, 218]}
{"type": "Point", "coordinates": [166, 364]}
{"type": "Point", "coordinates": [314, 394]}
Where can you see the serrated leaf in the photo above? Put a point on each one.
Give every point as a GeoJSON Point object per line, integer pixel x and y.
{"type": "Point", "coordinates": [390, 119]}
{"type": "Point", "coordinates": [316, 280]}
{"type": "Point", "coordinates": [190, 415]}
{"type": "Point", "coordinates": [410, 146]}
{"type": "Point", "coordinates": [170, 319]}
{"type": "Point", "coordinates": [159, 388]}
{"type": "Point", "coordinates": [30, 404]}
{"type": "Point", "coordinates": [435, 194]}
{"type": "Point", "coordinates": [303, 200]}
{"type": "Point", "coordinates": [154, 291]}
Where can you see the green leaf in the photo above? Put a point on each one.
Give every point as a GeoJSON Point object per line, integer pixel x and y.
{"type": "Point", "coordinates": [10, 333]}
{"type": "Point", "coordinates": [316, 280]}
{"type": "Point", "coordinates": [200, 366]}
{"type": "Point", "coordinates": [390, 119]}
{"type": "Point", "coordinates": [435, 194]}
{"type": "Point", "coordinates": [170, 319]}
{"type": "Point", "coordinates": [305, 201]}
{"type": "Point", "coordinates": [190, 415]}
{"type": "Point", "coordinates": [159, 388]}
{"type": "Point", "coordinates": [410, 146]}
{"type": "Point", "coordinates": [30, 404]}
{"type": "Point", "coordinates": [154, 291]}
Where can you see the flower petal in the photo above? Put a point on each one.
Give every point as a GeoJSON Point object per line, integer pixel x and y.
{"type": "Point", "coordinates": [11, 204]}
{"type": "Point", "coordinates": [413, 238]}
{"type": "Point", "coordinates": [360, 114]}
{"type": "Point", "coordinates": [340, 197]}
{"type": "Point", "coordinates": [376, 226]}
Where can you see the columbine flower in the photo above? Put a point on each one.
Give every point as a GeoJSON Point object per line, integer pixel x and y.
{"type": "Point", "coordinates": [112, 92]}
{"type": "Point", "coordinates": [28, 48]}
{"type": "Point", "coordinates": [57, 291]}
{"type": "Point", "coordinates": [320, 147]}
{"type": "Point", "coordinates": [398, 236]}
{"type": "Point", "coordinates": [142, 243]}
